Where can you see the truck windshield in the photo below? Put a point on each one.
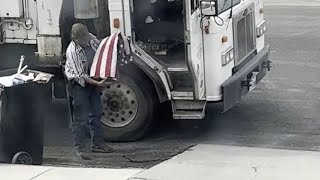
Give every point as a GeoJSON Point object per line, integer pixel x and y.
{"type": "Point", "coordinates": [224, 5]}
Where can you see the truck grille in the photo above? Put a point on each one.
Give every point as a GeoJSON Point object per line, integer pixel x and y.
{"type": "Point", "coordinates": [244, 34]}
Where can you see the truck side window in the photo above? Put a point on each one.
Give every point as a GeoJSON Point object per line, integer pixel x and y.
{"type": "Point", "coordinates": [194, 5]}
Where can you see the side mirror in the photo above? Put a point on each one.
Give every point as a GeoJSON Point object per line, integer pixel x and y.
{"type": "Point", "coordinates": [208, 7]}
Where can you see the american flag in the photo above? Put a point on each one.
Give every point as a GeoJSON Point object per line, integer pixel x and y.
{"type": "Point", "coordinates": [112, 51]}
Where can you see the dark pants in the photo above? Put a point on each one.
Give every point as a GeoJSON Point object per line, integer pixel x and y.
{"type": "Point", "coordinates": [87, 107]}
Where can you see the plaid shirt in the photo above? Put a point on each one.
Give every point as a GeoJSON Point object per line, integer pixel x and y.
{"type": "Point", "coordinates": [76, 59]}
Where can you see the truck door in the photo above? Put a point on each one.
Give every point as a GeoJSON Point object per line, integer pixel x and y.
{"type": "Point", "coordinates": [194, 44]}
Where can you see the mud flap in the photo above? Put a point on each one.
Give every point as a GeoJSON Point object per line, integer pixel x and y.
{"type": "Point", "coordinates": [242, 82]}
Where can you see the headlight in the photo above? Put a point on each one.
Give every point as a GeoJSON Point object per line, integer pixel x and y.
{"type": "Point", "coordinates": [227, 56]}
{"type": "Point", "coordinates": [262, 28]}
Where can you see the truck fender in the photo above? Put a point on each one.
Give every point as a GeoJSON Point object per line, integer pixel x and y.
{"type": "Point", "coordinates": [154, 77]}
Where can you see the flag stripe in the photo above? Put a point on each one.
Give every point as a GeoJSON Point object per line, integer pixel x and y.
{"type": "Point", "coordinates": [94, 64]}
{"type": "Point", "coordinates": [100, 59]}
{"type": "Point", "coordinates": [114, 60]}
{"type": "Point", "coordinates": [104, 59]}
{"type": "Point", "coordinates": [110, 55]}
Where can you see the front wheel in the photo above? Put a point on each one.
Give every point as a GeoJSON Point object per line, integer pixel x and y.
{"type": "Point", "coordinates": [128, 109]}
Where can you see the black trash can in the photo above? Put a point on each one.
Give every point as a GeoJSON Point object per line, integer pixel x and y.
{"type": "Point", "coordinates": [23, 109]}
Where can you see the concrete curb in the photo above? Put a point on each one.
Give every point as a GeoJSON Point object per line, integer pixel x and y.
{"type": "Point", "coordinates": [207, 162]}
{"type": "Point", "coordinates": [18, 172]}
{"type": "Point", "coordinates": [307, 3]}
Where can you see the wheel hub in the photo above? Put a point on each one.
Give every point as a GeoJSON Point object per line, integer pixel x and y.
{"type": "Point", "coordinates": [120, 105]}
{"type": "Point", "coordinates": [115, 103]}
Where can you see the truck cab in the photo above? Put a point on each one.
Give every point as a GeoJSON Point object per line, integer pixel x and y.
{"type": "Point", "coordinates": [186, 52]}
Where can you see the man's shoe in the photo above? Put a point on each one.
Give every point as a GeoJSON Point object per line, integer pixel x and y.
{"type": "Point", "coordinates": [82, 155]}
{"type": "Point", "coordinates": [101, 149]}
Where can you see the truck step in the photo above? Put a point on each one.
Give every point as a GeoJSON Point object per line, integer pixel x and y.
{"type": "Point", "coordinates": [181, 80]}
{"type": "Point", "coordinates": [188, 109]}
{"type": "Point", "coordinates": [188, 115]}
{"type": "Point", "coordinates": [182, 95]}
{"type": "Point", "coordinates": [178, 69]}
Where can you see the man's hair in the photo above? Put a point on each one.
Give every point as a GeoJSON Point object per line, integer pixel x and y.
{"type": "Point", "coordinates": [79, 32]}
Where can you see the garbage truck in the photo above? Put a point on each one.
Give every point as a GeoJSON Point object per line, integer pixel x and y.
{"type": "Point", "coordinates": [186, 52]}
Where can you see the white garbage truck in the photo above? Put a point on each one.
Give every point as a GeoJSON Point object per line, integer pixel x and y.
{"type": "Point", "coordinates": [186, 52]}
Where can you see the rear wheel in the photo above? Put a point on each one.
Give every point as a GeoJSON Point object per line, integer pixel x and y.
{"type": "Point", "coordinates": [22, 158]}
{"type": "Point", "coordinates": [128, 109]}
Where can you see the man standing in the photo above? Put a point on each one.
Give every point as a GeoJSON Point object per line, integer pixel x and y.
{"type": "Point", "coordinates": [84, 91]}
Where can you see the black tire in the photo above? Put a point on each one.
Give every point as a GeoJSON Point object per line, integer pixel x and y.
{"type": "Point", "coordinates": [144, 117]}
{"type": "Point", "coordinates": [22, 158]}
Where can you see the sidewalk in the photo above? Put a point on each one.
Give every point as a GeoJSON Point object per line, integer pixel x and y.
{"type": "Point", "coordinates": [205, 162]}
{"type": "Point", "coordinates": [308, 3]}
{"type": "Point", "coordinates": [210, 162]}
{"type": "Point", "coordinates": [14, 172]}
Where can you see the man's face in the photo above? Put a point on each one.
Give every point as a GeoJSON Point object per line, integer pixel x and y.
{"type": "Point", "coordinates": [83, 43]}
{"type": "Point", "coordinates": [80, 34]}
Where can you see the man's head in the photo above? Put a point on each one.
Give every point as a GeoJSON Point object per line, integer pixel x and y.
{"type": "Point", "coordinates": [80, 34]}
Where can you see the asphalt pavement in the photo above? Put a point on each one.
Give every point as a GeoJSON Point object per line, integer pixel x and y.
{"type": "Point", "coordinates": [281, 113]}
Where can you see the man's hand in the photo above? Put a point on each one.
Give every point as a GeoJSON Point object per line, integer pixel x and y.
{"type": "Point", "coordinates": [104, 83]}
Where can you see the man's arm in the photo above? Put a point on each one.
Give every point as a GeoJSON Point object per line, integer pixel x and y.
{"type": "Point", "coordinates": [95, 42]}
{"type": "Point", "coordinates": [93, 82]}
{"type": "Point", "coordinates": [76, 66]}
